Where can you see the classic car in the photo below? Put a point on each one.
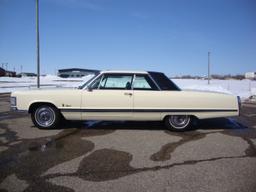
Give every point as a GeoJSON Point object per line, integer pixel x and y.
{"type": "Point", "coordinates": [125, 95]}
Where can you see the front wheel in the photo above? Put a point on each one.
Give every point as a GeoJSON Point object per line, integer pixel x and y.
{"type": "Point", "coordinates": [45, 117]}
{"type": "Point", "coordinates": [178, 122]}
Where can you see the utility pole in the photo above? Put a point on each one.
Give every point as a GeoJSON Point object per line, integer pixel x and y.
{"type": "Point", "coordinates": [209, 67]}
{"type": "Point", "coordinates": [37, 44]}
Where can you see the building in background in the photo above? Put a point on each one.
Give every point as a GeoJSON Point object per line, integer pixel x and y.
{"type": "Point", "coordinates": [5, 73]}
{"type": "Point", "coordinates": [2, 72]}
{"type": "Point", "coordinates": [250, 75]}
{"type": "Point", "coordinates": [75, 72]}
{"type": "Point", "coordinates": [26, 75]}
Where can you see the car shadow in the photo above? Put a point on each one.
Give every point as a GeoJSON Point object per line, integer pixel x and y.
{"type": "Point", "coordinates": [116, 125]}
{"type": "Point", "coordinates": [219, 123]}
{"type": "Point", "coordinates": [206, 124]}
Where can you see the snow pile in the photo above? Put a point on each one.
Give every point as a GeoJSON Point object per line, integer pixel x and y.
{"type": "Point", "coordinates": [242, 88]}
{"type": "Point", "coordinates": [10, 84]}
{"type": "Point", "coordinates": [253, 91]}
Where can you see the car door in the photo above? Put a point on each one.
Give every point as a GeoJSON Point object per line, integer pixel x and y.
{"type": "Point", "coordinates": [146, 98]}
{"type": "Point", "coordinates": [109, 98]}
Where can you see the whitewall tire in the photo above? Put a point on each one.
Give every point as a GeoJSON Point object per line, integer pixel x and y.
{"type": "Point", "coordinates": [45, 117]}
{"type": "Point", "coordinates": [178, 122]}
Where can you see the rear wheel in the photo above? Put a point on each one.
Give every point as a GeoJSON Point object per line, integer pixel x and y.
{"type": "Point", "coordinates": [178, 122]}
{"type": "Point", "coordinates": [45, 116]}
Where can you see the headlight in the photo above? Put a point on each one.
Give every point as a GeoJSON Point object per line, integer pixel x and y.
{"type": "Point", "coordinates": [13, 101]}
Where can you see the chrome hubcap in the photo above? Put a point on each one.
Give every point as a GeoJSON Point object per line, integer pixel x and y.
{"type": "Point", "coordinates": [45, 116]}
{"type": "Point", "coordinates": [179, 121]}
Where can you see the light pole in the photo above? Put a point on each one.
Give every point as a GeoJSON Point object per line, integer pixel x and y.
{"type": "Point", "coordinates": [209, 67]}
{"type": "Point", "coordinates": [37, 45]}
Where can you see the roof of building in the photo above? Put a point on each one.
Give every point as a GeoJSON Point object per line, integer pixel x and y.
{"type": "Point", "coordinates": [2, 69]}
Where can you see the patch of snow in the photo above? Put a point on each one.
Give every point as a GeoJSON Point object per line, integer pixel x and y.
{"type": "Point", "coordinates": [242, 88]}
{"type": "Point", "coordinates": [10, 84]}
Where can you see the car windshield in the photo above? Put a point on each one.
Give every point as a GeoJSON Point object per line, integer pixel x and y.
{"type": "Point", "coordinates": [88, 81]}
{"type": "Point", "coordinates": [164, 82]}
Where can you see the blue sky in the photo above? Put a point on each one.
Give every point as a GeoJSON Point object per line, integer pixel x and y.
{"type": "Point", "coordinates": [172, 36]}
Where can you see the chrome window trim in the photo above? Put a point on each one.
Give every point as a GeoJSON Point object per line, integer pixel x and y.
{"type": "Point", "coordinates": [105, 73]}
{"type": "Point", "coordinates": [133, 78]}
{"type": "Point", "coordinates": [119, 74]}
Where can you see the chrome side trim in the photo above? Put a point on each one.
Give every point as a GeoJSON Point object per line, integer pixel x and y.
{"type": "Point", "coordinates": [147, 110]}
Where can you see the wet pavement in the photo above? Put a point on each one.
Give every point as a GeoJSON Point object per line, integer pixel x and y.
{"type": "Point", "coordinates": [219, 155]}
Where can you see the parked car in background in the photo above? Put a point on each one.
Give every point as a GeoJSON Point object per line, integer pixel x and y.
{"type": "Point", "coordinates": [125, 95]}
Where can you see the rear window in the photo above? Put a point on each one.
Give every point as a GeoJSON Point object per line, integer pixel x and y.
{"type": "Point", "coordinates": [164, 82]}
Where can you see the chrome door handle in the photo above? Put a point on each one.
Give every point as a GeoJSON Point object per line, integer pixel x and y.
{"type": "Point", "coordinates": [129, 94]}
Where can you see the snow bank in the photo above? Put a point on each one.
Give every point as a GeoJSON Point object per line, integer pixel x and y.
{"type": "Point", "coordinates": [10, 84]}
{"type": "Point", "coordinates": [243, 88]}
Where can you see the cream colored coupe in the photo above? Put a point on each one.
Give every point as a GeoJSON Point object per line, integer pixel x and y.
{"type": "Point", "coordinates": [125, 95]}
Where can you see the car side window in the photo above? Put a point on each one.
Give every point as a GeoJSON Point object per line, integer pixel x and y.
{"type": "Point", "coordinates": [143, 82]}
{"type": "Point", "coordinates": [116, 81]}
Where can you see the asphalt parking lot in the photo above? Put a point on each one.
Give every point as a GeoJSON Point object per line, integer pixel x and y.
{"type": "Point", "coordinates": [219, 155]}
